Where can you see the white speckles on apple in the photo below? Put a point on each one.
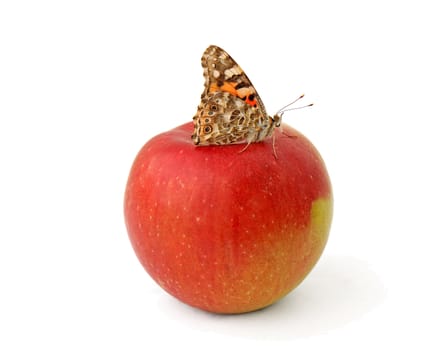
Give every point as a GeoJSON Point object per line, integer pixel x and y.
{"type": "Point", "coordinates": [197, 219]}
{"type": "Point", "coordinates": [177, 284]}
{"type": "Point", "coordinates": [180, 182]}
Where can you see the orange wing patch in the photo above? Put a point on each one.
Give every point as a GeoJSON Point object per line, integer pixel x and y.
{"type": "Point", "coordinates": [247, 94]}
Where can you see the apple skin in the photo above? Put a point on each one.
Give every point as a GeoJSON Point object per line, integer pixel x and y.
{"type": "Point", "coordinates": [225, 231]}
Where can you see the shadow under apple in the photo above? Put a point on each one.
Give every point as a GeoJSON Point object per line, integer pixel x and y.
{"type": "Point", "coordinates": [339, 290]}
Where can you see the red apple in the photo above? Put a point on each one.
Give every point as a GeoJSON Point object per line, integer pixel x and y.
{"type": "Point", "coordinates": [225, 231]}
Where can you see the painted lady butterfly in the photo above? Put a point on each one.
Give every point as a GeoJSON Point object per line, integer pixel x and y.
{"type": "Point", "coordinates": [230, 110]}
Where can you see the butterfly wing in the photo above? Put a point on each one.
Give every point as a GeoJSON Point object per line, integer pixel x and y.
{"type": "Point", "coordinates": [222, 73]}
{"type": "Point", "coordinates": [221, 119]}
{"type": "Point", "coordinates": [231, 110]}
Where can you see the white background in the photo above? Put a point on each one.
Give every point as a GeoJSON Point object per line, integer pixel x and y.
{"type": "Point", "coordinates": [84, 84]}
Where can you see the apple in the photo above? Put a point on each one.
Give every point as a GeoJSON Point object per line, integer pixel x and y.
{"type": "Point", "coordinates": [223, 230]}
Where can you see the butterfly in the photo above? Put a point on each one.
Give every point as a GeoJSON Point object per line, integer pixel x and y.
{"type": "Point", "coordinates": [230, 111]}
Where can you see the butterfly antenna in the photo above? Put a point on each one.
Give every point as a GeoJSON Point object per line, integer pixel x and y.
{"type": "Point", "coordinates": [285, 109]}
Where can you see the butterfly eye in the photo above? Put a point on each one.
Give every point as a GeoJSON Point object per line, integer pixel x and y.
{"type": "Point", "coordinates": [207, 129]}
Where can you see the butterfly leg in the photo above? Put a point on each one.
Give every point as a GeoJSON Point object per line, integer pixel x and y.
{"type": "Point", "coordinates": [246, 146]}
{"type": "Point", "coordinates": [251, 138]}
{"type": "Point", "coordinates": [273, 145]}
{"type": "Point", "coordinates": [285, 134]}
{"type": "Point", "coordinates": [288, 135]}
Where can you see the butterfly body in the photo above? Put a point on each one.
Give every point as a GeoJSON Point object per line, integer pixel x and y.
{"type": "Point", "coordinates": [230, 110]}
